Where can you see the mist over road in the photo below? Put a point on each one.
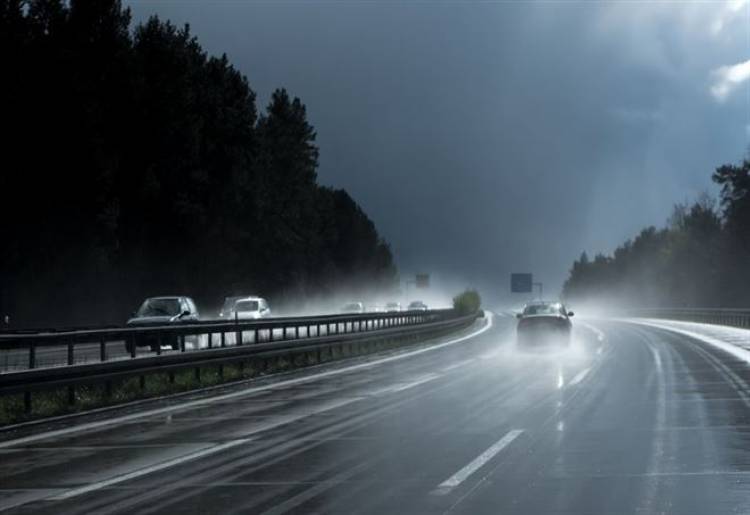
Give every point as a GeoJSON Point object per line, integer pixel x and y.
{"type": "Point", "coordinates": [632, 418]}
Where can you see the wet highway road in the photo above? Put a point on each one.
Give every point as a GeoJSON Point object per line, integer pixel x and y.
{"type": "Point", "coordinates": [631, 419]}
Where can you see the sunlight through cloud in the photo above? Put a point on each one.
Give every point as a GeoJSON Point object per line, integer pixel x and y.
{"type": "Point", "coordinates": [729, 78]}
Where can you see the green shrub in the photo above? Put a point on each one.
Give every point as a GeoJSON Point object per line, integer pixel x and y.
{"type": "Point", "coordinates": [467, 302]}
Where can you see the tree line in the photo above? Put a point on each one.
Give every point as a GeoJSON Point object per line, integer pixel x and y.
{"type": "Point", "coordinates": [135, 164]}
{"type": "Point", "coordinates": [701, 258]}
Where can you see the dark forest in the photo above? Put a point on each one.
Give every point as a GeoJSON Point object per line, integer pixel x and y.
{"type": "Point", "coordinates": [701, 258]}
{"type": "Point", "coordinates": [135, 165]}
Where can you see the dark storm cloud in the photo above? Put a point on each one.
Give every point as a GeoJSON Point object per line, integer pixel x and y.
{"type": "Point", "coordinates": [493, 137]}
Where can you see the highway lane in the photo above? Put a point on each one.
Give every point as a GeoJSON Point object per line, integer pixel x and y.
{"type": "Point", "coordinates": [631, 419]}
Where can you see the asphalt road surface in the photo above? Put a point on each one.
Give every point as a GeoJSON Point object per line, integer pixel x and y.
{"type": "Point", "coordinates": [630, 419]}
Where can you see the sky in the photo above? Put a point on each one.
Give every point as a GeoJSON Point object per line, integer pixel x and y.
{"type": "Point", "coordinates": [485, 138]}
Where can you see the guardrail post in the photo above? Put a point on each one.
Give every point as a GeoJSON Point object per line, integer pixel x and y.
{"type": "Point", "coordinates": [158, 344]}
{"type": "Point", "coordinates": [32, 355]}
{"type": "Point", "coordinates": [103, 350]}
{"type": "Point", "coordinates": [238, 337]}
{"type": "Point", "coordinates": [223, 340]}
{"type": "Point", "coordinates": [182, 343]}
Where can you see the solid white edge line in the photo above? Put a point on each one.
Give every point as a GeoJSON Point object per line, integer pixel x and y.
{"type": "Point", "coordinates": [463, 474]}
{"type": "Point", "coordinates": [75, 492]}
{"type": "Point", "coordinates": [249, 391]}
{"type": "Point", "coordinates": [737, 352]}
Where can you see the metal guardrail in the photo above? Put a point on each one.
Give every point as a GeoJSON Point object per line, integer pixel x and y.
{"type": "Point", "coordinates": [223, 343]}
{"type": "Point", "coordinates": [719, 316]}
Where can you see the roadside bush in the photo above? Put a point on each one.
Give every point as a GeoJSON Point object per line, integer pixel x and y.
{"type": "Point", "coordinates": [467, 302]}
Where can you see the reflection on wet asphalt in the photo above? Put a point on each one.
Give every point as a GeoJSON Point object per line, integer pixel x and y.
{"type": "Point", "coordinates": [630, 419]}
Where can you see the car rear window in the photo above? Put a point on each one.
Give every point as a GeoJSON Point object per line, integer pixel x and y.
{"type": "Point", "coordinates": [160, 307]}
{"type": "Point", "coordinates": [542, 309]}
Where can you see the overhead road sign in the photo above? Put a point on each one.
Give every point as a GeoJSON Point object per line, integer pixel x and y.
{"type": "Point", "coordinates": [521, 283]}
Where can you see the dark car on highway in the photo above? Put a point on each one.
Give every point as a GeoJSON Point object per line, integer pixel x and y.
{"type": "Point", "coordinates": [161, 311]}
{"type": "Point", "coordinates": [544, 323]}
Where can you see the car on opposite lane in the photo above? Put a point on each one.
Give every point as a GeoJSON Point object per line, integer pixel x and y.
{"type": "Point", "coordinates": [161, 311]}
{"type": "Point", "coordinates": [353, 308]}
{"type": "Point", "coordinates": [417, 305]}
{"type": "Point", "coordinates": [228, 303]}
{"type": "Point", "coordinates": [543, 323]}
{"type": "Point", "coordinates": [249, 308]}
{"type": "Point", "coordinates": [393, 307]}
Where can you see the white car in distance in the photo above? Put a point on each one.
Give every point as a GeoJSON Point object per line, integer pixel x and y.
{"type": "Point", "coordinates": [249, 308]}
{"type": "Point", "coordinates": [353, 308]}
{"type": "Point", "coordinates": [392, 307]}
